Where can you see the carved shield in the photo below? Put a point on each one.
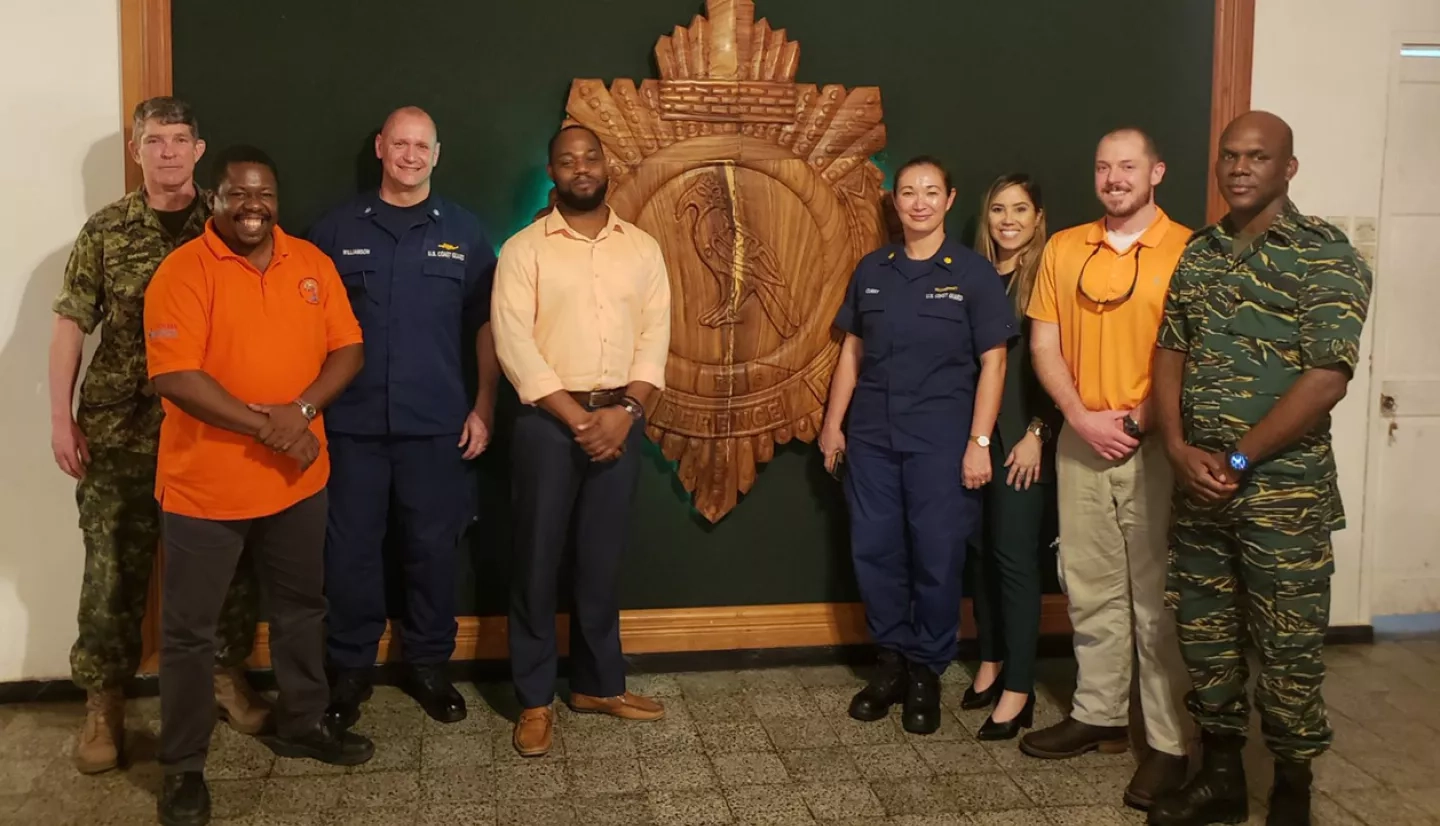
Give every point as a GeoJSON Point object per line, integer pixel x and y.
{"type": "Point", "coordinates": [762, 196]}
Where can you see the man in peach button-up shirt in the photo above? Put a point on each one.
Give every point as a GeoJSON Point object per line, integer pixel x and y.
{"type": "Point", "coordinates": [581, 316]}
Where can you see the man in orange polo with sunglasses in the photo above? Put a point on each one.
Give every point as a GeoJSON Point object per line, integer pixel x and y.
{"type": "Point", "coordinates": [1097, 306]}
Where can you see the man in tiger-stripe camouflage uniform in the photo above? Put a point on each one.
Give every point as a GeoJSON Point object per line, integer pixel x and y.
{"type": "Point", "coordinates": [1260, 338]}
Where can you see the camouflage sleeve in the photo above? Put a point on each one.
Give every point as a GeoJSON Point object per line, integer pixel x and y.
{"type": "Point", "coordinates": [1173, 335]}
{"type": "Point", "coordinates": [82, 297]}
{"type": "Point", "coordinates": [1334, 301]}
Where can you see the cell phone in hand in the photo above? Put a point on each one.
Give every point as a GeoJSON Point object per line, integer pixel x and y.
{"type": "Point", "coordinates": [838, 471]}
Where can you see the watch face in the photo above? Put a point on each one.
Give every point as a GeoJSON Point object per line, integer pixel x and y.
{"type": "Point", "coordinates": [1238, 461]}
{"type": "Point", "coordinates": [983, 441]}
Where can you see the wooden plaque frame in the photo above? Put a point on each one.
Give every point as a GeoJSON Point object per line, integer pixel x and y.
{"type": "Point", "coordinates": [146, 67]}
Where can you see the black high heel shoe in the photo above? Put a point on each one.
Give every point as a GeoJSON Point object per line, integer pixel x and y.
{"type": "Point", "coordinates": [979, 699]}
{"type": "Point", "coordinates": [1010, 728]}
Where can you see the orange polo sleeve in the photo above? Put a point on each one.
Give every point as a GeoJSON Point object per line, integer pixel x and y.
{"type": "Point", "coordinates": [177, 316]}
{"type": "Point", "coordinates": [1044, 303]}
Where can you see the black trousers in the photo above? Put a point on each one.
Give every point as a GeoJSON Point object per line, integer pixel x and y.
{"type": "Point", "coordinates": [556, 487]}
{"type": "Point", "coordinates": [1007, 571]}
{"type": "Point", "coordinates": [286, 551]}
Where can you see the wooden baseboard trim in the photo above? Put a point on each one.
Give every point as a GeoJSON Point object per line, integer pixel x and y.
{"type": "Point", "coordinates": [676, 630]}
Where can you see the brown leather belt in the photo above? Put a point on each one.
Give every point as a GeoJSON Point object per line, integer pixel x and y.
{"type": "Point", "coordinates": [598, 398]}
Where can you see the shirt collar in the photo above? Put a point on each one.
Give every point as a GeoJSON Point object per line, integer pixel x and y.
{"type": "Point", "coordinates": [555, 222]}
{"type": "Point", "coordinates": [1286, 226]}
{"type": "Point", "coordinates": [138, 211]}
{"type": "Point", "coordinates": [366, 205]}
{"type": "Point", "coordinates": [1151, 237]}
{"type": "Point", "coordinates": [947, 257]}
{"type": "Point", "coordinates": [219, 249]}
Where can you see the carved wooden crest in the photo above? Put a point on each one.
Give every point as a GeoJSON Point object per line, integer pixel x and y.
{"type": "Point", "coordinates": [761, 194]}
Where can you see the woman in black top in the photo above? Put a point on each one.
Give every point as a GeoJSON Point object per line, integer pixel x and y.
{"type": "Point", "coordinates": [1007, 591]}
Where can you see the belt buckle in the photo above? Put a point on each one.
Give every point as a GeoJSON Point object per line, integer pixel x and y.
{"type": "Point", "coordinates": [595, 398]}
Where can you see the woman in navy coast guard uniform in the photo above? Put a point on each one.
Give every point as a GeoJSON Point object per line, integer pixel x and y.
{"type": "Point", "coordinates": [920, 373]}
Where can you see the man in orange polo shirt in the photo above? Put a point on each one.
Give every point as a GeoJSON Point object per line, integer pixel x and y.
{"type": "Point", "coordinates": [248, 336]}
{"type": "Point", "coordinates": [1097, 305]}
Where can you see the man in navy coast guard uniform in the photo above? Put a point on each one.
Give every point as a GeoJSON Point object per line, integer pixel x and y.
{"type": "Point", "coordinates": [418, 270]}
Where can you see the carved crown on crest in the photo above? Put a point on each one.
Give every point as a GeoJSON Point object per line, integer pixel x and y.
{"type": "Point", "coordinates": [762, 196]}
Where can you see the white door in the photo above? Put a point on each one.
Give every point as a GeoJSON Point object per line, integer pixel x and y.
{"type": "Point", "coordinates": [1402, 524]}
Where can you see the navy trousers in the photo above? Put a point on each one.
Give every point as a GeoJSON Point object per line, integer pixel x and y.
{"type": "Point", "coordinates": [428, 482]}
{"type": "Point", "coordinates": [558, 490]}
{"type": "Point", "coordinates": [910, 518]}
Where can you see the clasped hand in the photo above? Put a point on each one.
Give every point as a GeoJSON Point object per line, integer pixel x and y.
{"type": "Point", "coordinates": [602, 433]}
{"type": "Point", "coordinates": [288, 431]}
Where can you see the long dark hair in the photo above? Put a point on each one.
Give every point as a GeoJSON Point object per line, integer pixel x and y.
{"type": "Point", "coordinates": [1022, 283]}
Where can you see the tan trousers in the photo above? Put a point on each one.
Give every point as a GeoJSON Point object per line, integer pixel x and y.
{"type": "Point", "coordinates": [1114, 519]}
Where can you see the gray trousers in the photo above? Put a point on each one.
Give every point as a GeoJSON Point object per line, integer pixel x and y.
{"type": "Point", "coordinates": [287, 553]}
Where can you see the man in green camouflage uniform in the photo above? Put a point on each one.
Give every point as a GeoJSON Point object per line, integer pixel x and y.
{"type": "Point", "coordinates": [110, 445]}
{"type": "Point", "coordinates": [1260, 337]}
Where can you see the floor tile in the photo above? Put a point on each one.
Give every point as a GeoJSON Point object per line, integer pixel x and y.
{"type": "Point", "coordinates": [688, 808]}
{"type": "Point", "coordinates": [527, 781]}
{"type": "Point", "coordinates": [455, 814]}
{"type": "Point", "coordinates": [983, 792]}
{"type": "Point", "coordinates": [1095, 816]}
{"type": "Point", "coordinates": [836, 801]}
{"type": "Point", "coordinates": [819, 765]}
{"type": "Point", "coordinates": [752, 769]}
{"type": "Point", "coordinates": [589, 778]}
{"type": "Point", "coordinates": [723, 738]}
{"type": "Point", "coordinates": [447, 750]}
{"type": "Point", "coordinates": [800, 732]}
{"type": "Point", "coordinates": [677, 772]}
{"type": "Point", "coordinates": [954, 758]}
{"type": "Point", "coordinates": [768, 805]}
{"type": "Point", "coordinates": [1384, 807]}
{"type": "Point", "coordinates": [888, 762]}
{"type": "Point", "coordinates": [614, 810]}
{"type": "Point", "coordinates": [380, 789]}
{"type": "Point", "coordinates": [532, 812]}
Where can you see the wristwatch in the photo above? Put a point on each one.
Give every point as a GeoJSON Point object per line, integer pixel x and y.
{"type": "Point", "coordinates": [309, 410]}
{"type": "Point", "coordinates": [1132, 427]}
{"type": "Point", "coordinates": [983, 441]}
{"type": "Point", "coordinates": [633, 407]}
{"type": "Point", "coordinates": [1040, 429]}
{"type": "Point", "coordinates": [1238, 461]}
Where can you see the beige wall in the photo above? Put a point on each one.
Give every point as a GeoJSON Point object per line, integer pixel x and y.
{"type": "Point", "coordinates": [63, 159]}
{"type": "Point", "coordinates": [1324, 66]}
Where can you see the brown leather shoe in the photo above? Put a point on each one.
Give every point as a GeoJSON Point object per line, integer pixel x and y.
{"type": "Point", "coordinates": [103, 734]}
{"type": "Point", "coordinates": [627, 706]}
{"type": "Point", "coordinates": [534, 731]}
{"type": "Point", "coordinates": [239, 705]}
{"type": "Point", "coordinates": [1158, 775]}
{"type": "Point", "coordinates": [1072, 738]}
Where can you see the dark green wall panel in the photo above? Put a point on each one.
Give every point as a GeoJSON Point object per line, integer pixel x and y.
{"type": "Point", "coordinates": [989, 87]}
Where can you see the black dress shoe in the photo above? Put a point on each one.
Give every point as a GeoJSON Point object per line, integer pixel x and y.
{"type": "Point", "coordinates": [184, 800]}
{"type": "Point", "coordinates": [431, 687]}
{"type": "Point", "coordinates": [351, 688]}
{"type": "Point", "coordinates": [1009, 729]}
{"type": "Point", "coordinates": [973, 699]}
{"type": "Point", "coordinates": [922, 701]}
{"type": "Point", "coordinates": [884, 690]}
{"type": "Point", "coordinates": [326, 744]}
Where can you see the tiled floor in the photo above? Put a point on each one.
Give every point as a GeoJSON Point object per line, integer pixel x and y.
{"type": "Point", "coordinates": [758, 747]}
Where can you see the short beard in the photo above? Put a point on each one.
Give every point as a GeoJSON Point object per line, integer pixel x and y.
{"type": "Point", "coordinates": [579, 204]}
{"type": "Point", "coordinates": [1140, 203]}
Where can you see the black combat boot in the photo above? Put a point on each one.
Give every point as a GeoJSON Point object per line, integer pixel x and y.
{"type": "Point", "coordinates": [885, 689]}
{"type": "Point", "coordinates": [1290, 797]}
{"type": "Point", "coordinates": [1216, 795]}
{"type": "Point", "coordinates": [922, 701]}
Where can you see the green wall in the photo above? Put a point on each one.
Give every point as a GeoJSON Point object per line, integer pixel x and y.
{"type": "Point", "coordinates": [988, 87]}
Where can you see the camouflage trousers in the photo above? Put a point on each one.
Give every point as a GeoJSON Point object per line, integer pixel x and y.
{"type": "Point", "coordinates": [120, 520]}
{"type": "Point", "coordinates": [1255, 573]}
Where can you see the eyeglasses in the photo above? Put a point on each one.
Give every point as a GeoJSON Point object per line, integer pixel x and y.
{"type": "Point", "coordinates": [1134, 279]}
